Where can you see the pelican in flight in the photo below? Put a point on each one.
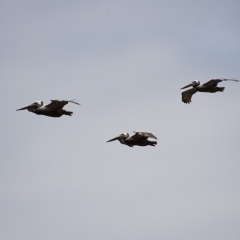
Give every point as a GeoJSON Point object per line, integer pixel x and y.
{"type": "Point", "coordinates": [139, 139]}
{"type": "Point", "coordinates": [53, 109]}
{"type": "Point", "coordinates": [210, 86]}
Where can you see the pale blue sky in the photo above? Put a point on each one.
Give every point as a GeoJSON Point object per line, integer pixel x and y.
{"type": "Point", "coordinates": [125, 62]}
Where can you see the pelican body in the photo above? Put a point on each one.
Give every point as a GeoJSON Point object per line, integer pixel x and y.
{"type": "Point", "coordinates": [53, 109]}
{"type": "Point", "coordinates": [138, 139]}
{"type": "Point", "coordinates": [210, 87]}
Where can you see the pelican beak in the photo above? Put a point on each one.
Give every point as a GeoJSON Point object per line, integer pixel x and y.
{"type": "Point", "coordinates": [116, 138]}
{"type": "Point", "coordinates": [22, 108]}
{"type": "Point", "coordinates": [189, 85]}
{"type": "Point", "coordinates": [27, 107]}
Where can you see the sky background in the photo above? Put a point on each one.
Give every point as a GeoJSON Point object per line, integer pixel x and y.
{"type": "Point", "coordinates": [125, 62]}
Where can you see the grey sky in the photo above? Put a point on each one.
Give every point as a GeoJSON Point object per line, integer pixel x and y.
{"type": "Point", "coordinates": [125, 62]}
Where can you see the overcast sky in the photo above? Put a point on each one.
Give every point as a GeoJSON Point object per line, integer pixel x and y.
{"type": "Point", "coordinates": [125, 62]}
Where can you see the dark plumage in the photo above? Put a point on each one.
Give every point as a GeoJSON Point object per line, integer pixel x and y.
{"type": "Point", "coordinates": [210, 86]}
{"type": "Point", "coordinates": [139, 139]}
{"type": "Point", "coordinates": [53, 109]}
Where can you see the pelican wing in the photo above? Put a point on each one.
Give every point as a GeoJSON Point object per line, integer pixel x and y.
{"type": "Point", "coordinates": [214, 82]}
{"type": "Point", "coordinates": [187, 95]}
{"type": "Point", "coordinates": [143, 135]}
{"type": "Point", "coordinates": [57, 104]}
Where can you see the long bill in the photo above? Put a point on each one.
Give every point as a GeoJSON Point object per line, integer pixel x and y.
{"type": "Point", "coordinates": [189, 85]}
{"type": "Point", "coordinates": [27, 107]}
{"type": "Point", "coordinates": [116, 138]}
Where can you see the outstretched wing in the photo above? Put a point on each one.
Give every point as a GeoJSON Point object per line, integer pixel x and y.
{"type": "Point", "coordinates": [187, 95]}
{"type": "Point", "coordinates": [57, 104]}
{"type": "Point", "coordinates": [143, 135]}
{"type": "Point", "coordinates": [214, 82]}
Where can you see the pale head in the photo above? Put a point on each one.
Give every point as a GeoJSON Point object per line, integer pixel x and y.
{"type": "Point", "coordinates": [124, 135]}
{"type": "Point", "coordinates": [38, 104]}
{"type": "Point", "coordinates": [195, 83]}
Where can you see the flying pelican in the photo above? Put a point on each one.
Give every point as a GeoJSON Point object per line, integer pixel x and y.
{"type": "Point", "coordinates": [210, 86]}
{"type": "Point", "coordinates": [53, 109]}
{"type": "Point", "coordinates": [139, 139]}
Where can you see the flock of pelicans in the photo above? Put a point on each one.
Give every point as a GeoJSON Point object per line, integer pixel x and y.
{"type": "Point", "coordinates": [55, 109]}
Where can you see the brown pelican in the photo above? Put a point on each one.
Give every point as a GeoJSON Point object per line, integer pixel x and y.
{"type": "Point", "coordinates": [53, 109]}
{"type": "Point", "coordinates": [210, 86]}
{"type": "Point", "coordinates": [139, 139]}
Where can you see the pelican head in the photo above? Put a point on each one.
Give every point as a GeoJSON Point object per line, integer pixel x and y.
{"type": "Point", "coordinates": [193, 84]}
{"type": "Point", "coordinates": [121, 136]}
{"type": "Point", "coordinates": [34, 105]}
